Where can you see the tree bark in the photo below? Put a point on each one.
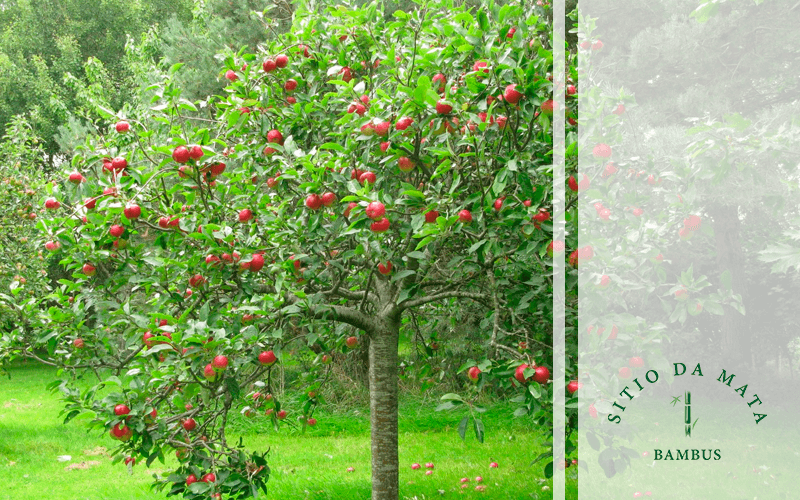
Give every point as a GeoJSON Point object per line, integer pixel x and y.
{"type": "Point", "coordinates": [383, 391]}
{"type": "Point", "coordinates": [735, 344]}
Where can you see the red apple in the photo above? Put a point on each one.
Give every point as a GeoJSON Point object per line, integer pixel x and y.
{"type": "Point", "coordinates": [88, 269]}
{"type": "Point", "coordinates": [313, 201]}
{"type": "Point", "coordinates": [290, 85]}
{"type": "Point", "coordinates": [132, 211]}
{"type": "Point", "coordinates": [573, 184]}
{"type": "Point", "coordinates": [312, 421]}
{"type": "Point", "coordinates": [512, 95]}
{"type": "Point", "coordinates": [281, 61]}
{"type": "Point", "coordinates": [474, 373]}
{"type": "Point", "coordinates": [209, 478]}
{"type": "Point", "coordinates": [245, 215]}
{"type": "Point", "coordinates": [122, 126]}
{"type": "Point", "coordinates": [267, 358]}
{"type": "Point", "coordinates": [196, 280]}
{"type": "Point", "coordinates": [269, 65]}
{"type": "Point", "coordinates": [220, 362]}
{"type": "Point", "coordinates": [498, 203]}
{"type": "Point", "coordinates": [51, 203]}
{"type": "Point", "coordinates": [196, 152]}
{"type": "Point", "coordinates": [465, 216]}
{"type": "Point", "coordinates": [76, 178]}
{"type": "Point", "coordinates": [387, 269]}
{"type": "Point", "coordinates": [403, 123]}
{"type": "Point", "coordinates": [572, 386]}
{"type": "Point", "coordinates": [430, 217]}
{"type": "Point", "coordinates": [542, 375]}
{"type": "Point", "coordinates": [121, 410]}
{"type": "Point", "coordinates": [119, 163]}
{"type": "Point", "coordinates": [520, 375]}
{"type": "Point", "coordinates": [191, 479]}
{"type": "Point", "coordinates": [349, 208]}
{"type": "Point", "coordinates": [481, 66]}
{"type": "Point", "coordinates": [380, 226]}
{"type": "Point", "coordinates": [636, 362]}
{"type": "Point", "coordinates": [443, 107]}
{"type": "Point", "coordinates": [367, 177]}
{"type": "Point", "coordinates": [624, 372]}
{"type": "Point", "coordinates": [274, 136]}
{"type": "Point", "coordinates": [180, 154]}
{"type": "Point", "coordinates": [375, 210]}
{"type": "Point", "coordinates": [281, 414]}
{"type": "Point", "coordinates": [601, 151]}
{"type": "Point", "coordinates": [405, 164]}
{"type": "Point", "coordinates": [328, 199]}
{"type": "Point", "coordinates": [116, 230]}
{"type": "Point", "coordinates": [382, 128]}
{"type": "Point", "coordinates": [351, 342]}
{"type": "Point", "coordinates": [78, 343]}
{"type": "Point", "coordinates": [256, 263]}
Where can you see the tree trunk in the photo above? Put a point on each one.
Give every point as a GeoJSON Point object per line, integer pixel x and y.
{"type": "Point", "coordinates": [735, 346]}
{"type": "Point", "coordinates": [383, 360]}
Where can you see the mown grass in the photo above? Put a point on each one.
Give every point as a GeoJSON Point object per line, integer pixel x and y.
{"type": "Point", "coordinates": [304, 466]}
{"type": "Point", "coordinates": [758, 461]}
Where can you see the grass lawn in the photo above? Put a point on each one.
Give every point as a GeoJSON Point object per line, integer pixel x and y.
{"type": "Point", "coordinates": [758, 462]}
{"type": "Point", "coordinates": [310, 466]}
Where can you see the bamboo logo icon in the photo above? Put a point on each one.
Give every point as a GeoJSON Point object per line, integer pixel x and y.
{"type": "Point", "coordinates": [687, 411]}
{"type": "Point", "coordinates": [687, 401]}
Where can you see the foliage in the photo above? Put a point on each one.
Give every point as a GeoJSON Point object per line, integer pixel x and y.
{"type": "Point", "coordinates": [44, 48]}
{"type": "Point", "coordinates": [154, 297]}
{"type": "Point", "coordinates": [23, 276]}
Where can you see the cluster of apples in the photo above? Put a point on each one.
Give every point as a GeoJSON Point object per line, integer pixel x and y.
{"type": "Point", "coordinates": [541, 374]}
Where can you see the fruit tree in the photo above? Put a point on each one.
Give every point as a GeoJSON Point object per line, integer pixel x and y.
{"type": "Point", "coordinates": [361, 166]}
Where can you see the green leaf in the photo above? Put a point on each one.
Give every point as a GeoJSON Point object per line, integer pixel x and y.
{"type": "Point", "coordinates": [233, 387]}
{"type": "Point", "coordinates": [424, 242]}
{"type": "Point", "coordinates": [423, 87]}
{"type": "Point", "coordinates": [476, 246]}
{"type": "Point", "coordinates": [500, 182]}
{"type": "Point", "coordinates": [714, 308]}
{"type": "Point", "coordinates": [548, 470]}
{"type": "Point", "coordinates": [483, 21]}
{"type": "Point", "coordinates": [334, 146]}
{"type": "Point", "coordinates": [479, 430]}
{"type": "Point", "coordinates": [462, 428]}
{"type": "Point", "coordinates": [593, 441]}
{"type": "Point", "coordinates": [449, 405]}
{"type": "Point", "coordinates": [451, 397]}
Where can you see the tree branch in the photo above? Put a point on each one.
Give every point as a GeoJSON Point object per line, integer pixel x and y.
{"type": "Point", "coordinates": [408, 304]}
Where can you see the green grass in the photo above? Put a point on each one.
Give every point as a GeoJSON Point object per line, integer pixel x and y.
{"type": "Point", "coordinates": [310, 466]}
{"type": "Point", "coordinates": [758, 461]}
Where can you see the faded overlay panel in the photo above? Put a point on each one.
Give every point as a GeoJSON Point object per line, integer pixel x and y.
{"type": "Point", "coordinates": [688, 253]}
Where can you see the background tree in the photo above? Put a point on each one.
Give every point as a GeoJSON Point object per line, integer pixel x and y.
{"type": "Point", "coordinates": [44, 41]}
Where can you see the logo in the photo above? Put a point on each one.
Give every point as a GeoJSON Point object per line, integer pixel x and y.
{"type": "Point", "coordinates": [687, 411]}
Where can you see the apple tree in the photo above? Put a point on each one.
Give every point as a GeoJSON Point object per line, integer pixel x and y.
{"type": "Point", "coordinates": [359, 167]}
{"type": "Point", "coordinates": [23, 269]}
